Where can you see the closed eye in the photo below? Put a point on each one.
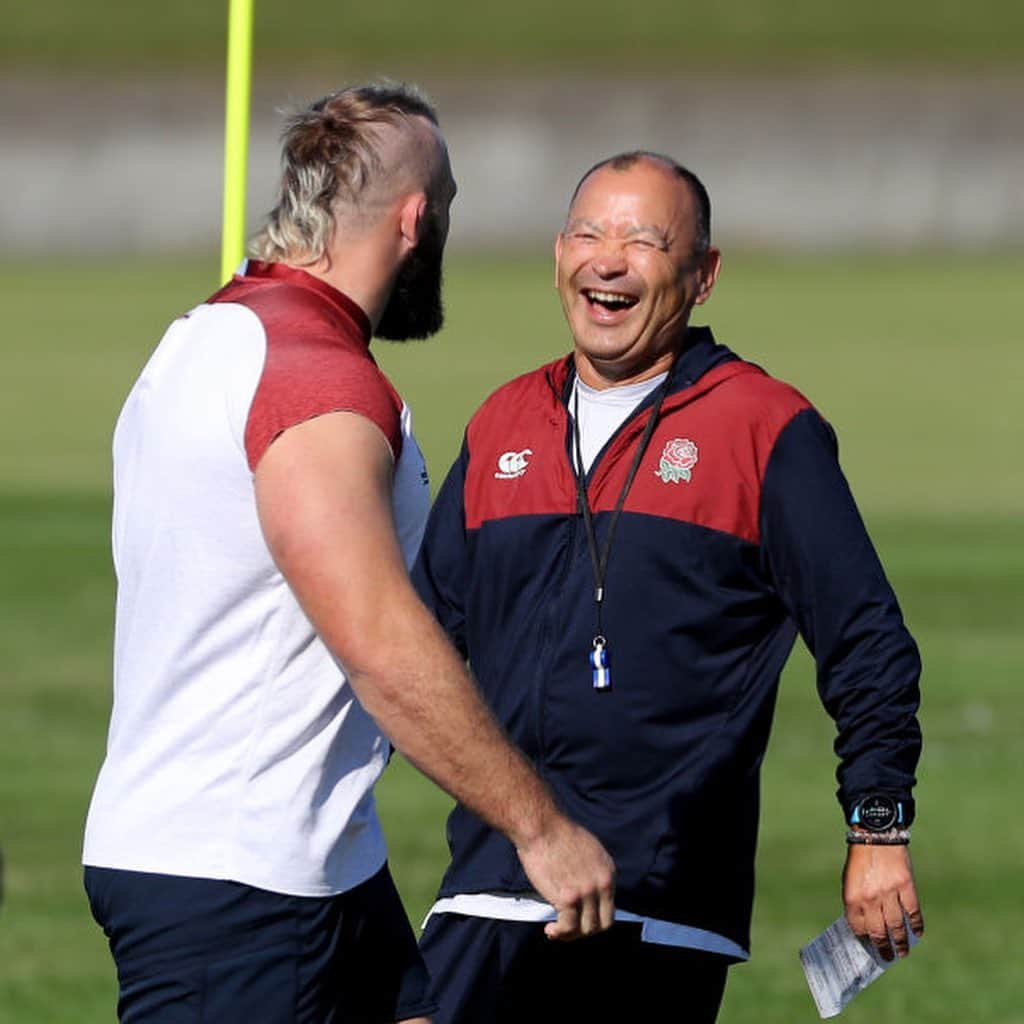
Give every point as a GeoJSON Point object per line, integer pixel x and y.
{"type": "Point", "coordinates": [648, 243]}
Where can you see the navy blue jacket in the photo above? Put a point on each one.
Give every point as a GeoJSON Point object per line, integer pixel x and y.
{"type": "Point", "coordinates": [738, 531]}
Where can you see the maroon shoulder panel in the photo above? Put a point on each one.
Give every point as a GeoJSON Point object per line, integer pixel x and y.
{"type": "Point", "coordinates": [704, 464]}
{"type": "Point", "coordinates": [518, 464]}
{"type": "Point", "coordinates": [317, 361]}
{"type": "Point", "coordinates": [708, 453]}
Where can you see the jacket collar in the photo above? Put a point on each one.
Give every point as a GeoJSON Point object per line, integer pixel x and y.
{"type": "Point", "coordinates": [256, 270]}
{"type": "Point", "coordinates": [700, 354]}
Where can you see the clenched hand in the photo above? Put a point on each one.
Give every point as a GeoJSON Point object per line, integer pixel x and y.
{"type": "Point", "coordinates": [571, 870]}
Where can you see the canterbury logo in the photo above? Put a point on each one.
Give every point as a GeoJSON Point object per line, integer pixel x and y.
{"type": "Point", "coordinates": [512, 464]}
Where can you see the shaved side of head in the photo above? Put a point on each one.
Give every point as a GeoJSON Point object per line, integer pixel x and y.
{"type": "Point", "coordinates": [409, 157]}
{"type": "Point", "coordinates": [345, 158]}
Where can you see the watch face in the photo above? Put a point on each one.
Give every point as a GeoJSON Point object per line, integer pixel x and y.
{"type": "Point", "coordinates": [877, 813]}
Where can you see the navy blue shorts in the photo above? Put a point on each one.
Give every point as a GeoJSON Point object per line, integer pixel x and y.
{"type": "Point", "coordinates": [198, 951]}
{"type": "Point", "coordinates": [508, 972]}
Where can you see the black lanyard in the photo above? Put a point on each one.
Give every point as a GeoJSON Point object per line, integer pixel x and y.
{"type": "Point", "coordinates": [599, 663]}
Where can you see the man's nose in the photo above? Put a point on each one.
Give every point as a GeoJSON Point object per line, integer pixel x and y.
{"type": "Point", "coordinates": [610, 259]}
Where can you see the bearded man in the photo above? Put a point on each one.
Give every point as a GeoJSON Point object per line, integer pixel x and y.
{"type": "Point", "coordinates": [268, 498]}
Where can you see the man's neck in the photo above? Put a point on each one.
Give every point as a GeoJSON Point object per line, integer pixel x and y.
{"type": "Point", "coordinates": [362, 272]}
{"type": "Point", "coordinates": [602, 376]}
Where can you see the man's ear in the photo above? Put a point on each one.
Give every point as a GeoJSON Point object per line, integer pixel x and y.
{"type": "Point", "coordinates": [558, 256]}
{"type": "Point", "coordinates": [410, 218]}
{"type": "Point", "coordinates": [710, 265]}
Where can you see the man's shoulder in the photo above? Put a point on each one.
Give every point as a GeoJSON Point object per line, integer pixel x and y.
{"type": "Point", "coordinates": [536, 390]}
{"type": "Point", "coordinates": [756, 397]}
{"type": "Point", "coordinates": [292, 313]}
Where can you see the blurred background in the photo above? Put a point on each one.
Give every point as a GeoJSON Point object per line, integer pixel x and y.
{"type": "Point", "coordinates": [866, 168]}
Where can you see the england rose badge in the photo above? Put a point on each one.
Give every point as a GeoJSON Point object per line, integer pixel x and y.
{"type": "Point", "coordinates": [677, 461]}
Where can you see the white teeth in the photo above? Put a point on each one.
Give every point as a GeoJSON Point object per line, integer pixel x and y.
{"type": "Point", "coordinates": [615, 297]}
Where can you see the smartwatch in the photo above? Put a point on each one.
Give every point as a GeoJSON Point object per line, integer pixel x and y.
{"type": "Point", "coordinates": [877, 813]}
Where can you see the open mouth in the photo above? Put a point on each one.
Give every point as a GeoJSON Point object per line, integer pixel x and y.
{"type": "Point", "coordinates": [611, 301]}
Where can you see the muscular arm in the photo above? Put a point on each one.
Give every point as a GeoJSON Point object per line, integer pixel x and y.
{"type": "Point", "coordinates": [323, 493]}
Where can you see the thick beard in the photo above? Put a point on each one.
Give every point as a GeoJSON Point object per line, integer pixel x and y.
{"type": "Point", "coordinates": [415, 308]}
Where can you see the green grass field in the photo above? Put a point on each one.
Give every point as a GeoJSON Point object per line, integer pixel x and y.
{"type": "Point", "coordinates": [916, 360]}
{"type": "Point", "coordinates": [464, 35]}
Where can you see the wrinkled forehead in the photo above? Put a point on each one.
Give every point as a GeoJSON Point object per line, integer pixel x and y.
{"type": "Point", "coordinates": [647, 194]}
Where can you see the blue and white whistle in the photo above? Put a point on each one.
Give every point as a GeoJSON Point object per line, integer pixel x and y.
{"type": "Point", "coordinates": [602, 675]}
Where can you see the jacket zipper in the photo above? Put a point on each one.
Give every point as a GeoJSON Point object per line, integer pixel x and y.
{"type": "Point", "coordinates": [631, 428]}
{"type": "Point", "coordinates": [552, 610]}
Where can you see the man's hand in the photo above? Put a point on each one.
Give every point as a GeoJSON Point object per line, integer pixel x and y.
{"type": "Point", "coordinates": [572, 871]}
{"type": "Point", "coordinates": [878, 887]}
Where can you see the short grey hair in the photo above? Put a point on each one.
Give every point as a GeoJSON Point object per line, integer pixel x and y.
{"type": "Point", "coordinates": [329, 155]}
